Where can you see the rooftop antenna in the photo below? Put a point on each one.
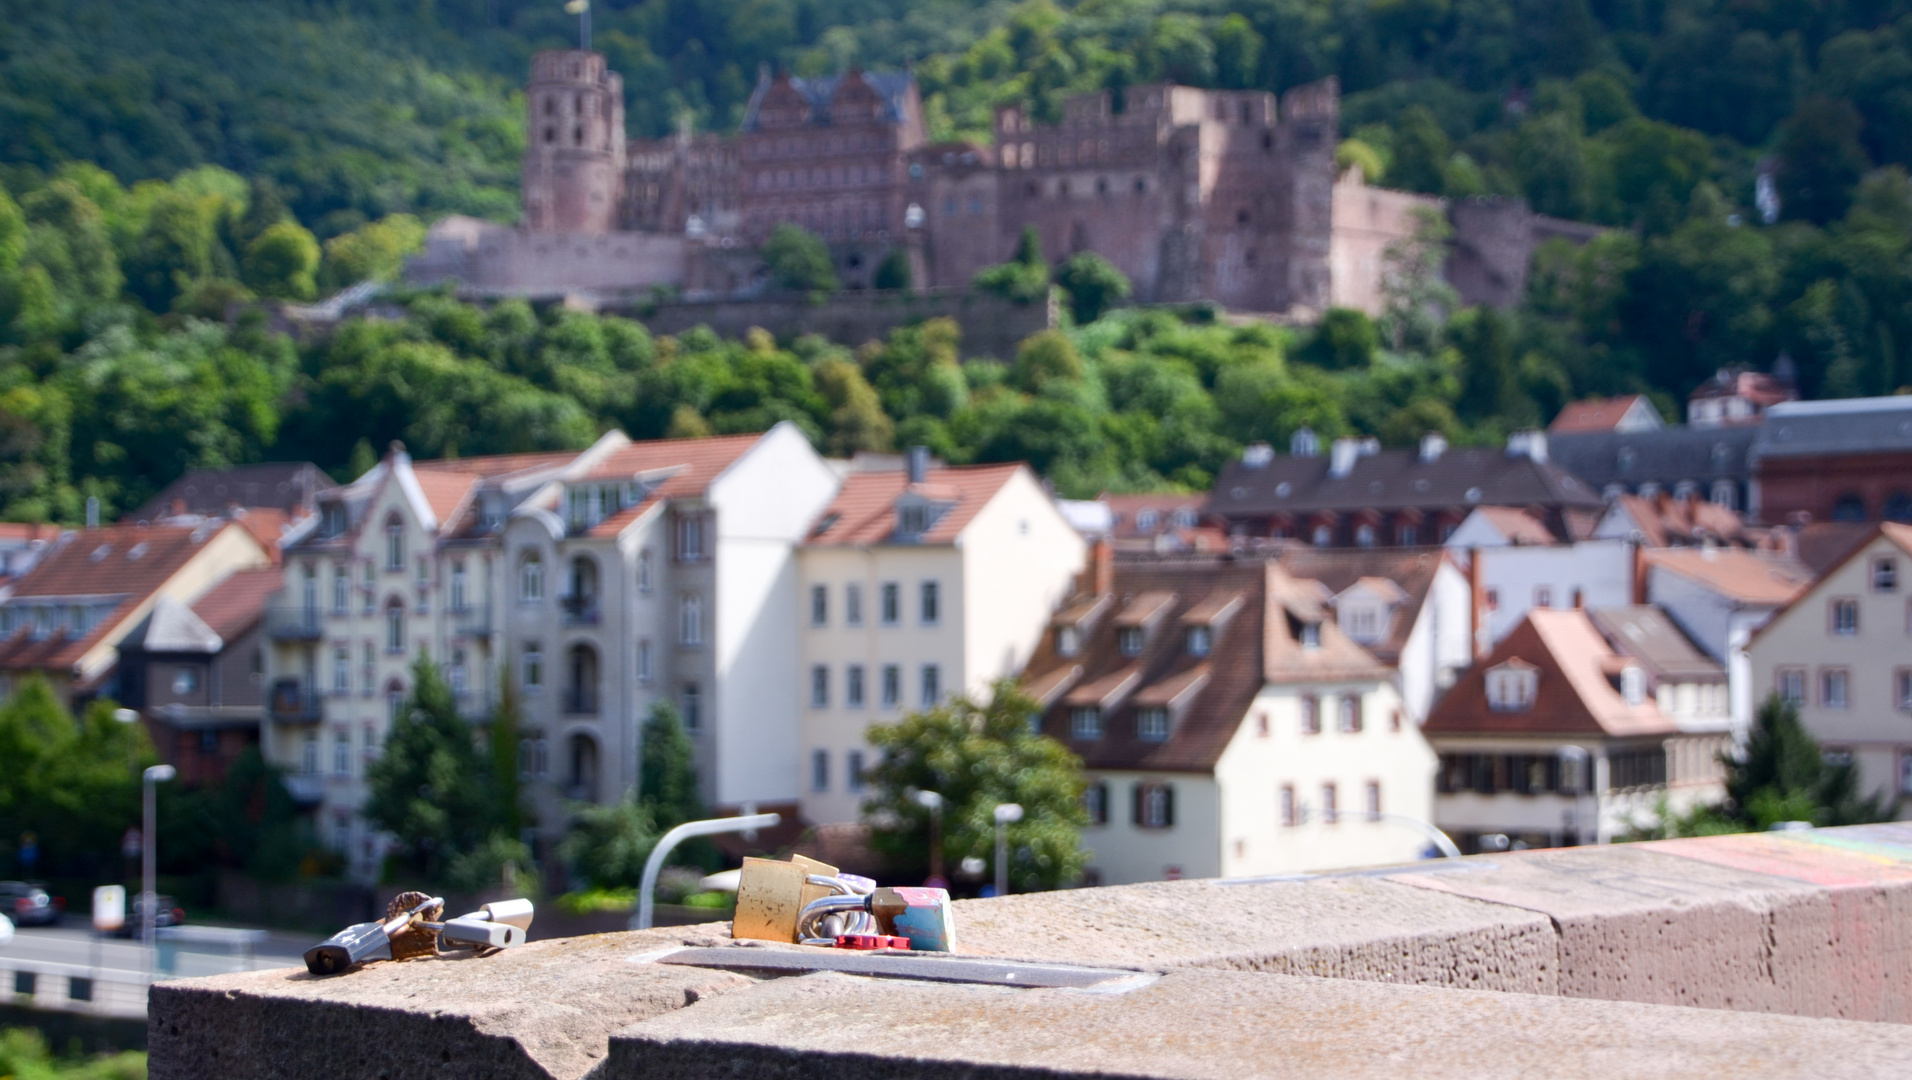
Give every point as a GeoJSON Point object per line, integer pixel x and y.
{"type": "Point", "coordinates": [582, 9]}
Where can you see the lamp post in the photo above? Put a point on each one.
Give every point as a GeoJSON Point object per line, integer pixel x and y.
{"type": "Point", "coordinates": [154, 776]}
{"type": "Point", "coordinates": [933, 802]}
{"type": "Point", "coordinates": [745, 823]}
{"type": "Point", "coordinates": [1006, 814]}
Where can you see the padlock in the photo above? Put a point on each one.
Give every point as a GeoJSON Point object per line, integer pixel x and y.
{"type": "Point", "coordinates": [480, 933]}
{"type": "Point", "coordinates": [360, 942]}
{"type": "Point", "coordinates": [515, 912]}
{"type": "Point", "coordinates": [919, 914]}
{"type": "Point", "coordinates": [771, 896]}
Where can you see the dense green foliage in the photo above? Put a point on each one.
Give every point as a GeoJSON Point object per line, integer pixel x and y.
{"type": "Point", "coordinates": [246, 821]}
{"type": "Point", "coordinates": [24, 1055]}
{"type": "Point", "coordinates": [977, 756]}
{"type": "Point", "coordinates": [71, 783]}
{"type": "Point", "coordinates": [608, 844]}
{"type": "Point", "coordinates": [1781, 775]}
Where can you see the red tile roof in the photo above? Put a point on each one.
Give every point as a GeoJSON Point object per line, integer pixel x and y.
{"type": "Point", "coordinates": [864, 510]}
{"type": "Point", "coordinates": [1595, 414]}
{"type": "Point", "coordinates": [234, 605]}
{"type": "Point", "coordinates": [692, 463]}
{"type": "Point", "coordinates": [1126, 508]}
{"type": "Point", "coordinates": [1747, 576]}
{"type": "Point", "coordinates": [448, 484]}
{"type": "Point", "coordinates": [1665, 521]}
{"type": "Point", "coordinates": [10, 530]}
{"type": "Point", "coordinates": [1574, 695]}
{"type": "Point", "coordinates": [1518, 526]}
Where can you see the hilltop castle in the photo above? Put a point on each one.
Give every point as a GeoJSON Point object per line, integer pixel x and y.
{"type": "Point", "coordinates": [1229, 196]}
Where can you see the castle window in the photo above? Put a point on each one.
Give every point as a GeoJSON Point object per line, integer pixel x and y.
{"type": "Point", "coordinates": [1241, 216]}
{"type": "Point", "coordinates": [1267, 140]}
{"type": "Point", "coordinates": [1141, 186]}
{"type": "Point", "coordinates": [550, 135]}
{"type": "Point", "coordinates": [577, 135]}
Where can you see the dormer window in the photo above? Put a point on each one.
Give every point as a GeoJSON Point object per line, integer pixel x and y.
{"type": "Point", "coordinates": [1152, 724]}
{"type": "Point", "coordinates": [1129, 639]}
{"type": "Point", "coordinates": [1201, 639]}
{"type": "Point", "coordinates": [491, 511]}
{"type": "Point", "coordinates": [1311, 635]}
{"type": "Point", "coordinates": [1068, 641]}
{"type": "Point", "coordinates": [912, 520]}
{"type": "Point", "coordinates": [1633, 684]}
{"type": "Point", "coordinates": [332, 519]}
{"type": "Point", "coordinates": [1511, 687]}
{"type": "Point", "coordinates": [1145, 520]}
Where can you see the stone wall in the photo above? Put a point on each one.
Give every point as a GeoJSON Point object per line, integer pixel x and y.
{"type": "Point", "coordinates": [991, 326]}
{"type": "Point", "coordinates": [1765, 955]}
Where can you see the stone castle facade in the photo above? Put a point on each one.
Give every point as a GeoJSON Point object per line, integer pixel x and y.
{"type": "Point", "coordinates": [1224, 196]}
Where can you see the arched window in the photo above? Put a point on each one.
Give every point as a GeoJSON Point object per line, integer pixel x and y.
{"type": "Point", "coordinates": [583, 785]}
{"type": "Point", "coordinates": [394, 625]}
{"type": "Point", "coordinates": [394, 542]}
{"type": "Point", "coordinates": [531, 577]}
{"type": "Point", "coordinates": [1850, 507]}
{"type": "Point", "coordinates": [1898, 507]}
{"type": "Point", "coordinates": [646, 565]}
{"type": "Point", "coordinates": [581, 695]}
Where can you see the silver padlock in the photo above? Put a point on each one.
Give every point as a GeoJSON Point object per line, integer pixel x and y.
{"type": "Point", "coordinates": [502, 924]}
{"type": "Point", "coordinates": [360, 942]}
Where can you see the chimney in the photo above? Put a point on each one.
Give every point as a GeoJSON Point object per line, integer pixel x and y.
{"type": "Point", "coordinates": [918, 464]}
{"type": "Point", "coordinates": [1433, 445]}
{"type": "Point", "coordinates": [1531, 443]}
{"type": "Point", "coordinates": [1343, 456]}
{"type": "Point", "coordinates": [1639, 573]}
{"type": "Point", "coordinates": [1101, 575]}
{"type": "Point", "coordinates": [1304, 444]}
{"type": "Point", "coordinates": [92, 512]}
{"type": "Point", "coordinates": [1257, 454]}
{"type": "Point", "coordinates": [1476, 606]}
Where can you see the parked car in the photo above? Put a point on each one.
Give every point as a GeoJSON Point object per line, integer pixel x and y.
{"type": "Point", "coordinates": [29, 904]}
{"type": "Point", "coordinates": [166, 912]}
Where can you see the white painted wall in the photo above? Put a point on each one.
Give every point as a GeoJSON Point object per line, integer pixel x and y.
{"type": "Point", "coordinates": [1601, 569]}
{"type": "Point", "coordinates": [1121, 852]}
{"type": "Point", "coordinates": [1720, 626]}
{"type": "Point", "coordinates": [1439, 641]}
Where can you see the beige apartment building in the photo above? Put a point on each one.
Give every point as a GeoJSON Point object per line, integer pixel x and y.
{"type": "Point", "coordinates": [919, 583]}
{"type": "Point", "coordinates": [1842, 652]}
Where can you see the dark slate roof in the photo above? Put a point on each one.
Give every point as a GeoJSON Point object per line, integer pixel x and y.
{"type": "Point", "coordinates": [278, 485]}
{"type": "Point", "coordinates": [1665, 456]}
{"type": "Point", "coordinates": [891, 86]}
{"type": "Point", "coordinates": [1877, 425]}
{"type": "Point", "coordinates": [1395, 480]}
{"type": "Point", "coordinates": [1645, 633]}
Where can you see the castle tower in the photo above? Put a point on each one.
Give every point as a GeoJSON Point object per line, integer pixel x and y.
{"type": "Point", "coordinates": [574, 143]}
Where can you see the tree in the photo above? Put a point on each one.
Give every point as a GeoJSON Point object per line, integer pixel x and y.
{"type": "Point", "coordinates": [977, 756]}
{"type": "Point", "coordinates": [374, 252]}
{"type": "Point", "coordinates": [283, 262]}
{"type": "Point", "coordinates": [1820, 160]}
{"type": "Point", "coordinates": [666, 776]}
{"type": "Point", "coordinates": [1345, 340]}
{"type": "Point", "coordinates": [1094, 286]}
{"type": "Point", "coordinates": [1024, 278]}
{"type": "Point", "coordinates": [1490, 377]}
{"type": "Point", "coordinates": [432, 789]}
{"type": "Point", "coordinates": [1238, 51]}
{"type": "Point", "coordinates": [73, 784]}
{"type": "Point", "coordinates": [607, 845]}
{"type": "Point", "coordinates": [798, 260]}
{"type": "Point", "coordinates": [894, 271]}
{"type": "Point", "coordinates": [1045, 358]}
{"type": "Point", "coordinates": [1416, 298]}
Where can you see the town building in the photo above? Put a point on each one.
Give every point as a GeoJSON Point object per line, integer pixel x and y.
{"type": "Point", "coordinates": [1360, 495]}
{"type": "Point", "coordinates": [1737, 396]}
{"type": "Point", "coordinates": [1710, 463]}
{"type": "Point", "coordinates": [21, 545]}
{"type": "Point", "coordinates": [289, 488]}
{"type": "Point", "coordinates": [65, 619]}
{"type": "Point", "coordinates": [1842, 460]}
{"type": "Point", "coordinates": [1841, 652]}
{"type": "Point", "coordinates": [1227, 196]}
{"type": "Point", "coordinates": [918, 583]}
{"type": "Point", "coordinates": [1557, 737]}
{"type": "Point", "coordinates": [1229, 725]}
{"type": "Point", "coordinates": [195, 673]}
{"type": "Point", "coordinates": [1663, 521]}
{"type": "Point", "coordinates": [1515, 565]}
{"type": "Point", "coordinates": [1623, 415]}
{"type": "Point", "coordinates": [1719, 597]}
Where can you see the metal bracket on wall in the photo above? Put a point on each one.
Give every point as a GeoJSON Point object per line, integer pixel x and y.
{"type": "Point", "coordinates": [935, 967]}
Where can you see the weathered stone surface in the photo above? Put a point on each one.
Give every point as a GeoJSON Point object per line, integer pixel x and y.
{"type": "Point", "coordinates": [1642, 925]}
{"type": "Point", "coordinates": [543, 1011]}
{"type": "Point", "coordinates": [1227, 1025]}
{"type": "Point", "coordinates": [1343, 927]}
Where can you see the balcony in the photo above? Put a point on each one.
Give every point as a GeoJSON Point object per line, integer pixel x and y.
{"type": "Point", "coordinates": [580, 609]}
{"type": "Point", "coordinates": [295, 622]}
{"type": "Point", "coordinates": [292, 702]}
{"type": "Point", "coordinates": [578, 702]}
{"type": "Point", "coordinates": [307, 789]}
{"type": "Point", "coordinates": [472, 620]}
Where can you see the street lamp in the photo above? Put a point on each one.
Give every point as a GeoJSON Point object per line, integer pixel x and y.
{"type": "Point", "coordinates": [933, 802]}
{"type": "Point", "coordinates": [149, 900]}
{"type": "Point", "coordinates": [1006, 814]}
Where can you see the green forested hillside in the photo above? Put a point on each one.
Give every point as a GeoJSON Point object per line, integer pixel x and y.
{"type": "Point", "coordinates": [161, 159]}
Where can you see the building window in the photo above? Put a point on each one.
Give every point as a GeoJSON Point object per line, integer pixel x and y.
{"type": "Point", "coordinates": [370, 586]}
{"type": "Point", "coordinates": [853, 605]}
{"type": "Point", "coordinates": [1323, 536]}
{"type": "Point", "coordinates": [1350, 720]}
{"type": "Point", "coordinates": [892, 604]}
{"type": "Point", "coordinates": [1633, 684]}
{"type": "Point", "coordinates": [1832, 688]}
{"type": "Point", "coordinates": [1154, 806]}
{"type": "Point", "coordinates": [1406, 536]}
{"type": "Point", "coordinates": [931, 603]}
{"type": "Point", "coordinates": [690, 537]}
{"type": "Point", "coordinates": [1311, 635]}
{"type": "Point", "coordinates": [1286, 807]}
{"type": "Point", "coordinates": [932, 685]}
{"type": "Point", "coordinates": [644, 565]}
{"type": "Point", "coordinates": [1543, 597]}
{"type": "Point", "coordinates": [341, 588]}
{"type": "Point", "coordinates": [1845, 616]}
{"type": "Point", "coordinates": [1330, 811]}
{"type": "Point", "coordinates": [1095, 802]}
{"type": "Point", "coordinates": [892, 685]}
{"type": "Point", "coordinates": [308, 587]}
{"type": "Point", "coordinates": [1885, 575]}
{"type": "Point", "coordinates": [1085, 722]}
{"type": "Point", "coordinates": [1364, 536]}
{"type": "Point", "coordinates": [1200, 640]}
{"type": "Point", "coordinates": [819, 605]}
{"type": "Point", "coordinates": [424, 570]}
{"type": "Point", "coordinates": [1374, 800]}
{"type": "Point", "coordinates": [853, 686]}
{"type": "Point", "coordinates": [185, 681]}
{"type": "Point", "coordinates": [394, 626]}
{"type": "Point", "coordinates": [394, 543]}
{"type": "Point", "coordinates": [819, 770]}
{"type": "Point", "coordinates": [1902, 689]}
{"type": "Point", "coordinates": [1129, 640]}
{"type": "Point", "coordinates": [692, 705]}
{"type": "Point", "coordinates": [644, 660]}
{"type": "Point", "coordinates": [368, 669]}
{"type": "Point", "coordinates": [853, 774]}
{"type": "Point", "coordinates": [309, 755]}
{"type": "Point", "coordinates": [690, 619]}
{"type": "Point", "coordinates": [1511, 689]}
{"type": "Point", "coordinates": [341, 670]}
{"type": "Point", "coordinates": [1310, 714]}
{"type": "Point", "coordinates": [1362, 622]}
{"type": "Point", "coordinates": [1492, 600]}
{"type": "Point", "coordinates": [819, 686]}
{"type": "Point", "coordinates": [1790, 684]}
{"type": "Point", "coordinates": [460, 598]}
{"type": "Point", "coordinates": [342, 753]}
{"type": "Point", "coordinates": [1905, 772]}
{"type": "Point", "coordinates": [531, 577]}
{"type": "Point", "coordinates": [533, 666]}
{"type": "Point", "coordinates": [1151, 724]}
{"type": "Point", "coordinates": [1068, 641]}
{"type": "Point", "coordinates": [460, 676]}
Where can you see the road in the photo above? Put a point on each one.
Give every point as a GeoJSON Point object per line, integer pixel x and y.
{"type": "Point", "coordinates": [120, 959]}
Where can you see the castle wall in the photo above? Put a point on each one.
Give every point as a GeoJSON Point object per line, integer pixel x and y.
{"type": "Point", "coordinates": [574, 143]}
{"type": "Point", "coordinates": [494, 258]}
{"type": "Point", "coordinates": [991, 325]}
{"type": "Point", "coordinates": [1366, 221]}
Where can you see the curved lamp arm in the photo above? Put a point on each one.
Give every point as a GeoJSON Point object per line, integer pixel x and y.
{"type": "Point", "coordinates": [710, 827]}
{"type": "Point", "coordinates": [1440, 839]}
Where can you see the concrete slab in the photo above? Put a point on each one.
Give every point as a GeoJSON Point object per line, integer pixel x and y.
{"type": "Point", "coordinates": [1642, 925]}
{"type": "Point", "coordinates": [1198, 1024]}
{"type": "Point", "coordinates": [543, 1011]}
{"type": "Point", "coordinates": [1353, 927]}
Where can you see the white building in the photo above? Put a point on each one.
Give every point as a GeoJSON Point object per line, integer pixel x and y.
{"type": "Point", "coordinates": [1841, 651]}
{"type": "Point", "coordinates": [1719, 597]}
{"type": "Point", "coordinates": [1229, 724]}
{"type": "Point", "coordinates": [1518, 565]}
{"type": "Point", "coordinates": [918, 583]}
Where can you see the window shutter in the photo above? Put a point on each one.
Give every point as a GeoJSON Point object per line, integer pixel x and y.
{"type": "Point", "coordinates": [1168, 806]}
{"type": "Point", "coordinates": [1135, 803]}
